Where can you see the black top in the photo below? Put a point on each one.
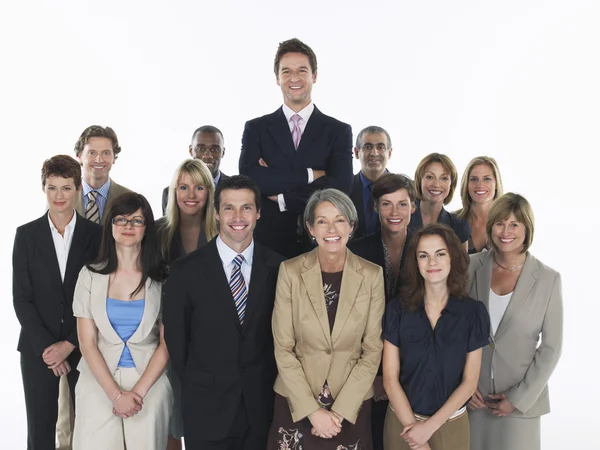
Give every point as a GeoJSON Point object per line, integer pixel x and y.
{"type": "Point", "coordinates": [460, 227]}
{"type": "Point", "coordinates": [432, 361]}
{"type": "Point", "coordinates": [176, 250]}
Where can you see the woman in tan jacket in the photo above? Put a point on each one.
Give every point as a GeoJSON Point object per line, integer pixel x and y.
{"type": "Point", "coordinates": [327, 336]}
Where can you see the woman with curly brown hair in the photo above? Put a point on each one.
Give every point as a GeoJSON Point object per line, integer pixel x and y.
{"type": "Point", "coordinates": [432, 346]}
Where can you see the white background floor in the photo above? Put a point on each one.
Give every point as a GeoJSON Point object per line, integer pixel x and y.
{"type": "Point", "coordinates": [515, 80]}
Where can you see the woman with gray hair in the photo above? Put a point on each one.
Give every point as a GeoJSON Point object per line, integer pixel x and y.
{"type": "Point", "coordinates": [327, 335]}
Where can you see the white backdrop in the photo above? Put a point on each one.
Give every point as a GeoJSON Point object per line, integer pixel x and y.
{"type": "Point", "coordinates": [517, 80]}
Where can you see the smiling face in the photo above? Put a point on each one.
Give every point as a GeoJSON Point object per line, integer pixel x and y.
{"type": "Point", "coordinates": [295, 77]}
{"type": "Point", "coordinates": [433, 259]}
{"type": "Point", "coordinates": [394, 211]}
{"type": "Point", "coordinates": [60, 194]}
{"type": "Point", "coordinates": [435, 185]}
{"type": "Point", "coordinates": [129, 235]}
{"type": "Point", "coordinates": [373, 154]}
{"type": "Point", "coordinates": [191, 197]}
{"type": "Point", "coordinates": [482, 184]}
{"type": "Point", "coordinates": [331, 229]}
{"type": "Point", "coordinates": [509, 235]}
{"type": "Point", "coordinates": [210, 149]}
{"type": "Point", "coordinates": [97, 158]}
{"type": "Point", "coordinates": [237, 217]}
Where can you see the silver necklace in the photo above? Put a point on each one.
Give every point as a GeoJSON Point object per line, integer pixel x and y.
{"type": "Point", "coordinates": [512, 269]}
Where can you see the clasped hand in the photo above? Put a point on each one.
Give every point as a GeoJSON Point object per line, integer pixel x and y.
{"type": "Point", "coordinates": [326, 424]}
{"type": "Point", "coordinates": [498, 403]}
{"type": "Point", "coordinates": [417, 434]}
{"type": "Point", "coordinates": [55, 354]}
{"type": "Point", "coordinates": [129, 404]}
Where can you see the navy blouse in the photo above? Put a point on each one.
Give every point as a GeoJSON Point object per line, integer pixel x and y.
{"type": "Point", "coordinates": [432, 361]}
{"type": "Point", "coordinates": [460, 227]}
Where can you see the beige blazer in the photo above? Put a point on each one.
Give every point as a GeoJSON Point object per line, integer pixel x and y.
{"type": "Point", "coordinates": [113, 192]}
{"type": "Point", "coordinates": [308, 353]}
{"type": "Point", "coordinates": [89, 301]}
{"type": "Point", "coordinates": [520, 368]}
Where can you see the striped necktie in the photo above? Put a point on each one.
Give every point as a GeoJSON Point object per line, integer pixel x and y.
{"type": "Point", "coordinates": [296, 131]}
{"type": "Point", "coordinates": [238, 287]}
{"type": "Point", "coordinates": [91, 210]}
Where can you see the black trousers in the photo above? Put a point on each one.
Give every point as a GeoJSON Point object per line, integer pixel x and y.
{"type": "Point", "coordinates": [240, 437]}
{"type": "Point", "coordinates": [41, 398]}
{"type": "Point", "coordinates": [378, 411]}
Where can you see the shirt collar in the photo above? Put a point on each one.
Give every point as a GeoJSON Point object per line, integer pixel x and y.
{"type": "Point", "coordinates": [217, 178]}
{"type": "Point", "coordinates": [68, 229]}
{"type": "Point", "coordinates": [227, 254]}
{"type": "Point", "coordinates": [364, 180]}
{"type": "Point", "coordinates": [304, 113]}
{"type": "Point", "coordinates": [453, 306]}
{"type": "Point", "coordinates": [103, 190]}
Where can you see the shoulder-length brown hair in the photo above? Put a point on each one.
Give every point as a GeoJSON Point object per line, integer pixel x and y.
{"type": "Point", "coordinates": [412, 292]}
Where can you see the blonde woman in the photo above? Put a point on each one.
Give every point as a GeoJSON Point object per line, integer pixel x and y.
{"type": "Point", "coordinates": [189, 223]}
{"type": "Point", "coordinates": [481, 184]}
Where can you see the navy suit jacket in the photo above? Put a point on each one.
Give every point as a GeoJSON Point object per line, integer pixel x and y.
{"type": "Point", "coordinates": [326, 144]}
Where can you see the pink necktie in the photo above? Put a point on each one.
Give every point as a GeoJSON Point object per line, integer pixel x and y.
{"type": "Point", "coordinates": [296, 132]}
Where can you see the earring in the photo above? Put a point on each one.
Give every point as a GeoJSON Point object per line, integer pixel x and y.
{"type": "Point", "coordinates": [314, 239]}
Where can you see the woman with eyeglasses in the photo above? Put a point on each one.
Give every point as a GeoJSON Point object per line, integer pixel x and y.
{"type": "Point", "coordinates": [125, 397]}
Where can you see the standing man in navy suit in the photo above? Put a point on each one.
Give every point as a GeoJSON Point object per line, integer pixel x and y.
{"type": "Point", "coordinates": [294, 151]}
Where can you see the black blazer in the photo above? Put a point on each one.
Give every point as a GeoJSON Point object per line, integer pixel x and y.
{"type": "Point", "coordinates": [165, 194]}
{"type": "Point", "coordinates": [42, 301]}
{"type": "Point", "coordinates": [326, 144]}
{"type": "Point", "coordinates": [216, 359]}
{"type": "Point", "coordinates": [357, 198]}
{"type": "Point", "coordinates": [371, 249]}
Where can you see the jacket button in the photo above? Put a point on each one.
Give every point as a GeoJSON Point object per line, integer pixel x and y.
{"type": "Point", "coordinates": [328, 351]}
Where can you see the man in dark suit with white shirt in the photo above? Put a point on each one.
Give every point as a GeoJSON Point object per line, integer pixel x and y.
{"type": "Point", "coordinates": [218, 303]}
{"type": "Point", "coordinates": [294, 151]}
{"type": "Point", "coordinates": [208, 145]}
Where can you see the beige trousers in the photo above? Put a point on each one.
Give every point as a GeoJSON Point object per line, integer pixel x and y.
{"type": "Point", "coordinates": [97, 428]}
{"type": "Point", "coordinates": [452, 435]}
{"type": "Point", "coordinates": [66, 416]}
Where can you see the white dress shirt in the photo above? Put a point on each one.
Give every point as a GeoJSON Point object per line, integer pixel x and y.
{"type": "Point", "coordinates": [227, 255]}
{"type": "Point", "coordinates": [305, 114]}
{"type": "Point", "coordinates": [62, 243]}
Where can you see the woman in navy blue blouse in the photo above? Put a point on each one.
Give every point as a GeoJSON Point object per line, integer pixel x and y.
{"type": "Point", "coordinates": [433, 338]}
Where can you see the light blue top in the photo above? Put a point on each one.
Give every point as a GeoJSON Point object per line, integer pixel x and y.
{"type": "Point", "coordinates": [125, 318]}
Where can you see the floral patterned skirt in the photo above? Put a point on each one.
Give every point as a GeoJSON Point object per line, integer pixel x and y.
{"type": "Point", "coordinates": [288, 435]}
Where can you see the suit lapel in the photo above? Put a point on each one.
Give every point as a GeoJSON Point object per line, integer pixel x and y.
{"type": "Point", "coordinates": [219, 293]}
{"type": "Point", "coordinates": [258, 278]}
{"type": "Point", "coordinates": [280, 130]}
{"type": "Point", "coordinates": [357, 199]}
{"type": "Point", "coordinates": [313, 282]}
{"type": "Point", "coordinates": [79, 204]}
{"type": "Point", "coordinates": [45, 245]}
{"type": "Point", "coordinates": [351, 281]}
{"type": "Point", "coordinates": [79, 244]}
{"type": "Point", "coordinates": [312, 131]}
{"type": "Point", "coordinates": [484, 280]}
{"type": "Point", "coordinates": [524, 285]}
{"type": "Point", "coordinates": [98, 298]}
{"type": "Point", "coordinates": [151, 310]}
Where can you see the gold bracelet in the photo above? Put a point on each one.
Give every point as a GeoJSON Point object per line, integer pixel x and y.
{"type": "Point", "coordinates": [118, 397]}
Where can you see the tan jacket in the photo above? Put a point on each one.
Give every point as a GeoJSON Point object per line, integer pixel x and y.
{"type": "Point", "coordinates": [308, 353]}
{"type": "Point", "coordinates": [89, 301]}
{"type": "Point", "coordinates": [521, 369]}
{"type": "Point", "coordinates": [113, 192]}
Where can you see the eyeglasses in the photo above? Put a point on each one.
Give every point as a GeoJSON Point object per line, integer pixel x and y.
{"type": "Point", "coordinates": [122, 221]}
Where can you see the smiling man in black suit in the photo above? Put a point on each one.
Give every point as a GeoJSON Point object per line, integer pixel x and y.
{"type": "Point", "coordinates": [294, 151]}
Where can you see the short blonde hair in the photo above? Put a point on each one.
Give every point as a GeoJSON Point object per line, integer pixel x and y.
{"type": "Point", "coordinates": [200, 174]}
{"type": "Point", "coordinates": [502, 208]}
{"type": "Point", "coordinates": [448, 167]}
{"type": "Point", "coordinates": [465, 212]}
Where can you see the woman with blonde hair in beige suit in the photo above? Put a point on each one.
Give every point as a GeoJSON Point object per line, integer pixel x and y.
{"type": "Point", "coordinates": [126, 398]}
{"type": "Point", "coordinates": [327, 336]}
{"type": "Point", "coordinates": [524, 300]}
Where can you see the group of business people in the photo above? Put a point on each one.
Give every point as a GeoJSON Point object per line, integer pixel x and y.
{"type": "Point", "coordinates": [293, 306]}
